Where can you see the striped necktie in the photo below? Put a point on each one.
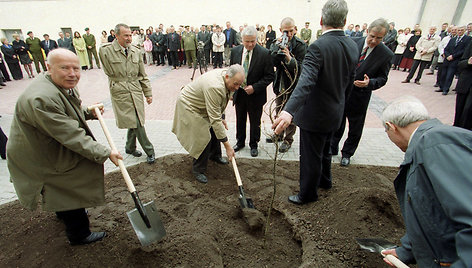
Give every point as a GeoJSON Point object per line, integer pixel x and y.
{"type": "Point", "coordinates": [362, 57]}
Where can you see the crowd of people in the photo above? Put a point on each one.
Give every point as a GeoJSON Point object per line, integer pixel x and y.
{"type": "Point", "coordinates": [319, 86]}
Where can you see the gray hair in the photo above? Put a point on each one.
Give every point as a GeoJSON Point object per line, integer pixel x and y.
{"type": "Point", "coordinates": [118, 27]}
{"type": "Point", "coordinates": [249, 31]}
{"type": "Point", "coordinates": [234, 69]}
{"type": "Point", "coordinates": [334, 13]}
{"type": "Point", "coordinates": [379, 24]}
{"type": "Point", "coordinates": [404, 111]}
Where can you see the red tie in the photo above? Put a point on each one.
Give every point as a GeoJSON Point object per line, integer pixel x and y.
{"type": "Point", "coordinates": [362, 57]}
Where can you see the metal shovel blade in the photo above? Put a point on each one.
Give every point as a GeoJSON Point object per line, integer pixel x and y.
{"type": "Point", "coordinates": [147, 235]}
{"type": "Point", "coordinates": [245, 202]}
{"type": "Point", "coordinates": [374, 244]}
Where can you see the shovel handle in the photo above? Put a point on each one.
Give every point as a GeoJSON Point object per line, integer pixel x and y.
{"type": "Point", "coordinates": [121, 164]}
{"type": "Point", "coordinates": [236, 171]}
{"type": "Point", "coordinates": [395, 261]}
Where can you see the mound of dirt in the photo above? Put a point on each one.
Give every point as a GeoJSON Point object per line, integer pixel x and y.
{"type": "Point", "coordinates": [205, 225]}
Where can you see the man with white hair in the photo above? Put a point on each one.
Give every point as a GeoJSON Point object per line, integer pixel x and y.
{"type": "Point", "coordinates": [433, 186]}
{"type": "Point", "coordinates": [52, 154]}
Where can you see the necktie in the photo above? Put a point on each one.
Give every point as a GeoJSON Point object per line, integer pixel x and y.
{"type": "Point", "coordinates": [362, 57]}
{"type": "Point", "coordinates": [71, 93]}
{"type": "Point", "coordinates": [458, 40]}
{"type": "Point", "coordinates": [47, 43]}
{"type": "Point", "coordinates": [246, 69]}
{"type": "Point", "coordinates": [126, 52]}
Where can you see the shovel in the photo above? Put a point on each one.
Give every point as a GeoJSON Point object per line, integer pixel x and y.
{"type": "Point", "coordinates": [144, 218]}
{"type": "Point", "coordinates": [243, 200]}
{"type": "Point", "coordinates": [377, 245]}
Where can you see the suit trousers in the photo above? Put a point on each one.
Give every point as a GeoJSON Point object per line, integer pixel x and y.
{"type": "Point", "coordinates": [211, 151]}
{"type": "Point", "coordinates": [355, 111]}
{"type": "Point", "coordinates": [245, 107]}
{"type": "Point", "coordinates": [438, 76]}
{"type": "Point", "coordinates": [315, 164]}
{"type": "Point", "coordinates": [463, 115]}
{"type": "Point", "coordinates": [417, 63]}
{"type": "Point", "coordinates": [289, 132]}
{"type": "Point", "coordinates": [93, 51]}
{"type": "Point", "coordinates": [37, 58]}
{"type": "Point", "coordinates": [207, 56]}
{"type": "Point", "coordinates": [218, 59]}
{"type": "Point", "coordinates": [77, 223]}
{"type": "Point", "coordinates": [140, 133]}
{"type": "Point", "coordinates": [191, 56]}
{"type": "Point", "coordinates": [448, 72]}
{"type": "Point", "coordinates": [3, 69]}
{"type": "Point", "coordinates": [227, 55]}
{"type": "Point", "coordinates": [3, 144]}
{"type": "Point", "coordinates": [174, 58]}
{"type": "Point", "coordinates": [161, 57]}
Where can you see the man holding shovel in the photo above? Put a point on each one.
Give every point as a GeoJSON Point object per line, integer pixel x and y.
{"type": "Point", "coordinates": [199, 117]}
{"type": "Point", "coordinates": [52, 152]}
{"type": "Point", "coordinates": [433, 186]}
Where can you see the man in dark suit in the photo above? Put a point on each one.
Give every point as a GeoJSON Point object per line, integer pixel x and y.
{"type": "Point", "coordinates": [230, 41]}
{"type": "Point", "coordinates": [64, 42]}
{"type": "Point", "coordinates": [173, 46]}
{"type": "Point", "coordinates": [317, 103]}
{"type": "Point", "coordinates": [452, 54]}
{"type": "Point", "coordinates": [204, 36]}
{"type": "Point", "coordinates": [252, 95]}
{"type": "Point", "coordinates": [371, 74]}
{"type": "Point", "coordinates": [48, 44]}
{"type": "Point", "coordinates": [463, 116]}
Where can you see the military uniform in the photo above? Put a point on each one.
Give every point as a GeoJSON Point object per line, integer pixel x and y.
{"type": "Point", "coordinates": [128, 83]}
{"type": "Point", "coordinates": [305, 35]}
{"type": "Point", "coordinates": [189, 45]}
{"type": "Point", "coordinates": [35, 50]}
{"type": "Point", "coordinates": [90, 41]}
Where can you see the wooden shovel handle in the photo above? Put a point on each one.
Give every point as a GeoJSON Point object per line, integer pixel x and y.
{"type": "Point", "coordinates": [121, 164]}
{"type": "Point", "coordinates": [395, 261]}
{"type": "Point", "coordinates": [236, 171]}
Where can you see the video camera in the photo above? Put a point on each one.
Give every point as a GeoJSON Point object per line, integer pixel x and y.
{"type": "Point", "coordinates": [283, 43]}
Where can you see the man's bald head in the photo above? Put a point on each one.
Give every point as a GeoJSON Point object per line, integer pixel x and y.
{"type": "Point", "coordinates": [64, 68]}
{"type": "Point", "coordinates": [287, 22]}
{"type": "Point", "coordinates": [61, 53]}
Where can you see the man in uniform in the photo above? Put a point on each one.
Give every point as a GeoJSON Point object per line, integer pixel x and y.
{"type": "Point", "coordinates": [189, 45]}
{"type": "Point", "coordinates": [91, 49]}
{"type": "Point", "coordinates": [199, 117]}
{"type": "Point", "coordinates": [35, 46]}
{"type": "Point", "coordinates": [52, 153]}
{"type": "Point", "coordinates": [305, 33]}
{"type": "Point", "coordinates": [123, 64]}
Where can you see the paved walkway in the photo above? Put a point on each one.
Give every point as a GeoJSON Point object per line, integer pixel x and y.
{"type": "Point", "coordinates": [374, 149]}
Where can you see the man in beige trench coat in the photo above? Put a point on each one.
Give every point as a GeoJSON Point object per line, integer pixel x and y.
{"type": "Point", "coordinates": [128, 82]}
{"type": "Point", "coordinates": [52, 152]}
{"type": "Point", "coordinates": [199, 117]}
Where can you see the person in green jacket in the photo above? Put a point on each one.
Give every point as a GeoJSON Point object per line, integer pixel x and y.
{"type": "Point", "coordinates": [52, 154]}
{"type": "Point", "coordinates": [189, 45]}
{"type": "Point", "coordinates": [91, 48]}
{"type": "Point", "coordinates": [35, 47]}
{"type": "Point", "coordinates": [305, 33]}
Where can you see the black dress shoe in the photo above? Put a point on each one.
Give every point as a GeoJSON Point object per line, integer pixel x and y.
{"type": "Point", "coordinates": [284, 147]}
{"type": "Point", "coordinates": [271, 139]}
{"type": "Point", "coordinates": [345, 161]}
{"type": "Point", "coordinates": [2, 84]}
{"type": "Point", "coordinates": [201, 178]}
{"type": "Point", "coordinates": [295, 199]}
{"type": "Point", "coordinates": [254, 152]}
{"type": "Point", "coordinates": [93, 237]}
{"type": "Point", "coordinates": [438, 90]}
{"type": "Point", "coordinates": [444, 93]}
{"type": "Point", "coordinates": [135, 153]}
{"type": "Point", "coordinates": [219, 160]}
{"type": "Point", "coordinates": [238, 147]}
{"type": "Point", "coordinates": [436, 85]}
{"type": "Point", "coordinates": [151, 159]}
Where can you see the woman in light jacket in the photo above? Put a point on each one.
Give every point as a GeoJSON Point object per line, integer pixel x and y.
{"type": "Point", "coordinates": [402, 39]}
{"type": "Point", "coordinates": [218, 39]}
{"type": "Point", "coordinates": [80, 48]}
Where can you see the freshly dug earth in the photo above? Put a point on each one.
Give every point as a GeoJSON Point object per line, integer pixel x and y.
{"type": "Point", "coordinates": [205, 226]}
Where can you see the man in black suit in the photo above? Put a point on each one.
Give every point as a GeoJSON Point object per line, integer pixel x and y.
{"type": "Point", "coordinates": [160, 47]}
{"type": "Point", "coordinates": [205, 37]}
{"type": "Point", "coordinates": [252, 95]}
{"type": "Point", "coordinates": [371, 74]}
{"type": "Point", "coordinates": [48, 44]}
{"type": "Point", "coordinates": [463, 116]}
{"type": "Point", "coordinates": [317, 103]}
{"type": "Point", "coordinates": [173, 46]}
{"type": "Point", "coordinates": [452, 54]}
{"type": "Point", "coordinates": [230, 41]}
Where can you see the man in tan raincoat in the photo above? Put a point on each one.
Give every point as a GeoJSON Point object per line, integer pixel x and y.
{"type": "Point", "coordinates": [199, 117]}
{"type": "Point", "coordinates": [128, 82]}
{"type": "Point", "coordinates": [52, 152]}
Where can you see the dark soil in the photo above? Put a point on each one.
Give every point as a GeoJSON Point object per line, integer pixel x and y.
{"type": "Point", "coordinates": [205, 226]}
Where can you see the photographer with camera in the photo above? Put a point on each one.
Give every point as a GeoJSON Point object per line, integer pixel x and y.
{"type": "Point", "coordinates": [287, 55]}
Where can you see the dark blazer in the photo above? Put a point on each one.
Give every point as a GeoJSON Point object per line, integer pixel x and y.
{"type": "Point", "coordinates": [10, 54]}
{"type": "Point", "coordinates": [20, 47]}
{"type": "Point", "coordinates": [232, 38]}
{"type": "Point", "coordinates": [317, 103]}
{"type": "Point", "coordinates": [465, 78]}
{"type": "Point", "coordinates": [260, 73]}
{"type": "Point", "coordinates": [205, 38]}
{"type": "Point", "coordinates": [173, 45]}
{"type": "Point", "coordinates": [456, 50]}
{"type": "Point", "coordinates": [376, 65]}
{"type": "Point", "coordinates": [411, 43]}
{"type": "Point", "coordinates": [271, 36]}
{"type": "Point", "coordinates": [52, 45]}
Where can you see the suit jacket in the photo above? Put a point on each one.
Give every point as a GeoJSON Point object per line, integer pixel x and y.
{"type": "Point", "coordinates": [456, 50]}
{"type": "Point", "coordinates": [52, 152]}
{"type": "Point", "coordinates": [205, 38]}
{"type": "Point", "coordinates": [10, 54]}
{"type": "Point", "coordinates": [173, 45]}
{"type": "Point", "coordinates": [52, 45]}
{"type": "Point", "coordinates": [427, 45]}
{"type": "Point", "coordinates": [232, 38]}
{"type": "Point", "coordinates": [317, 103]}
{"type": "Point", "coordinates": [465, 78]}
{"type": "Point", "coordinates": [260, 74]}
{"type": "Point", "coordinates": [66, 43]}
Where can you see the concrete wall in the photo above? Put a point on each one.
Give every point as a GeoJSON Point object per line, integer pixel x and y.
{"type": "Point", "coordinates": [43, 16]}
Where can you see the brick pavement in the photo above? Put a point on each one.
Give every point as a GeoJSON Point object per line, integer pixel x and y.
{"type": "Point", "coordinates": [374, 149]}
